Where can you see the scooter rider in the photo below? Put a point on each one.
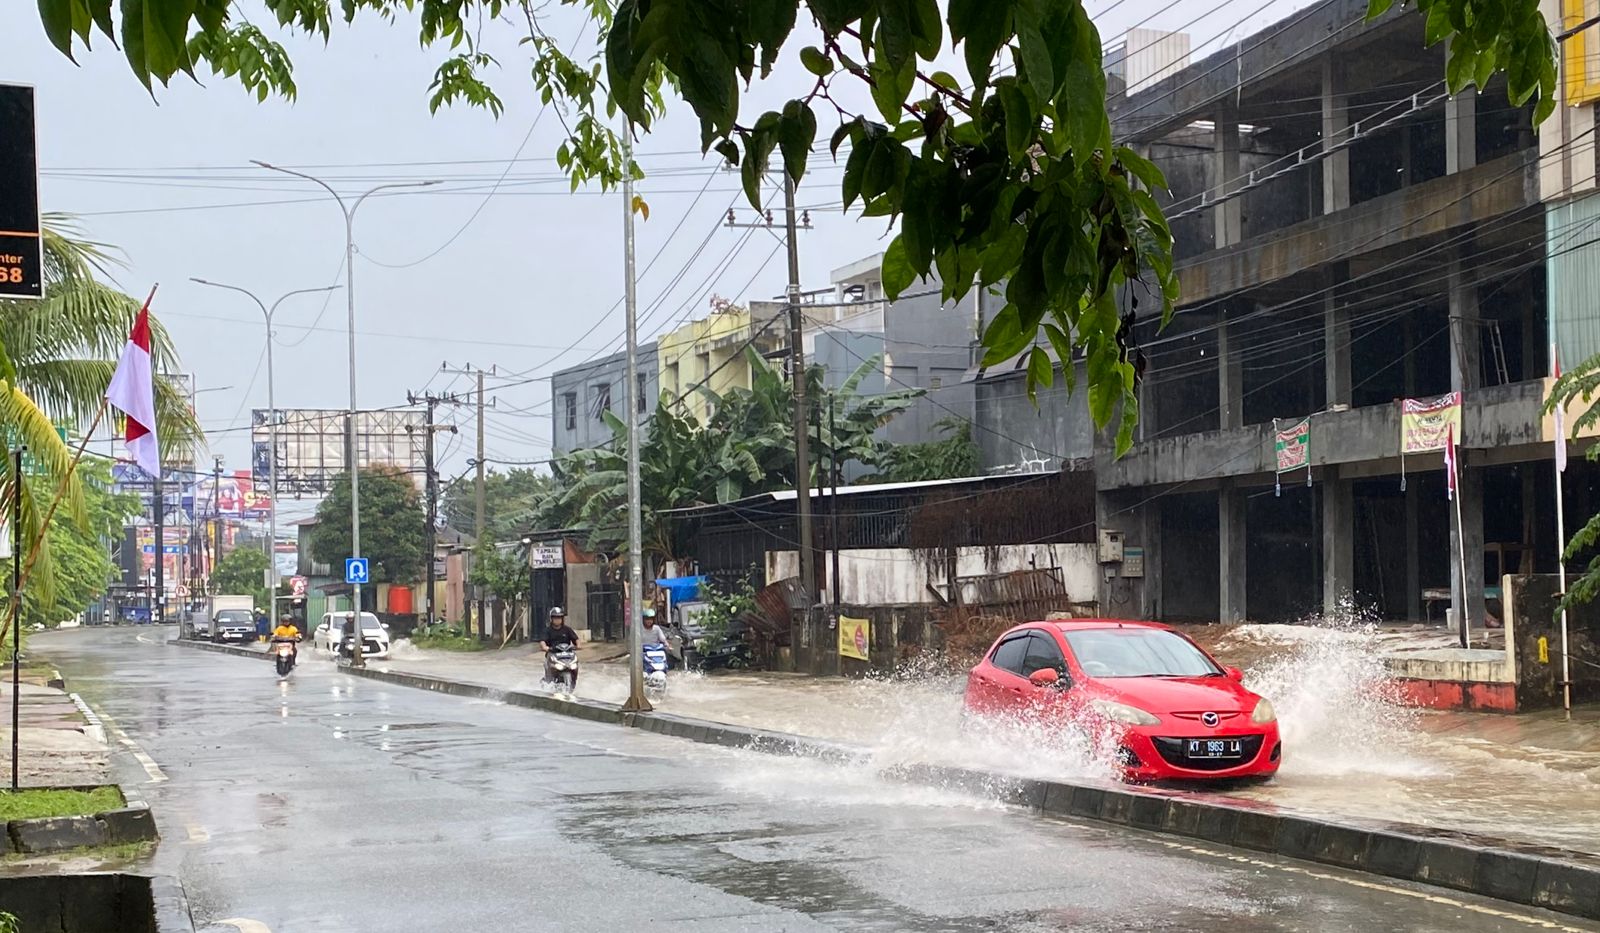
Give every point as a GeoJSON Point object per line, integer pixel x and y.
{"type": "Point", "coordinates": [287, 631]}
{"type": "Point", "coordinates": [557, 635]}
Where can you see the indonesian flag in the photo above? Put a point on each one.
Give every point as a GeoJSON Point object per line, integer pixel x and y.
{"type": "Point", "coordinates": [1560, 413]}
{"type": "Point", "coordinates": [1450, 463]}
{"type": "Point", "coordinates": [133, 392]}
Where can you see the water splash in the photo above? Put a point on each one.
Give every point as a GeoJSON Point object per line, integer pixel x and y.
{"type": "Point", "coordinates": [1338, 709]}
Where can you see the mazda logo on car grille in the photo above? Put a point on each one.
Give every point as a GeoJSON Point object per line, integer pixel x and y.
{"type": "Point", "coordinates": [1209, 719]}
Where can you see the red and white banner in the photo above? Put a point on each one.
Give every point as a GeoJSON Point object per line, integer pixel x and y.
{"type": "Point", "coordinates": [132, 391]}
{"type": "Point", "coordinates": [1450, 463]}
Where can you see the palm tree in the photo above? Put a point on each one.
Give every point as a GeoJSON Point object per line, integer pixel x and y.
{"type": "Point", "coordinates": [57, 355]}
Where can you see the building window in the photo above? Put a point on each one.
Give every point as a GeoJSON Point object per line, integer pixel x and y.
{"type": "Point", "coordinates": [602, 400]}
{"type": "Point", "coordinates": [937, 382]}
{"type": "Point", "coordinates": [642, 382]}
{"type": "Point", "coordinates": [569, 403]}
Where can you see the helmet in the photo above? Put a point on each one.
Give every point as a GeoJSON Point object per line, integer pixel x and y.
{"type": "Point", "coordinates": [558, 613]}
{"type": "Point", "coordinates": [650, 614]}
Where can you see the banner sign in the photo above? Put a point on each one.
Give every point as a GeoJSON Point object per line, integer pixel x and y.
{"type": "Point", "coordinates": [1428, 424]}
{"type": "Point", "coordinates": [547, 555]}
{"type": "Point", "coordinates": [1293, 448]}
{"type": "Point", "coordinates": [21, 247]}
{"type": "Point", "coordinates": [855, 638]}
{"type": "Point", "coordinates": [1425, 423]}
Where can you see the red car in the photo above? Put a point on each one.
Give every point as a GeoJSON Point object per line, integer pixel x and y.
{"type": "Point", "coordinates": [1172, 711]}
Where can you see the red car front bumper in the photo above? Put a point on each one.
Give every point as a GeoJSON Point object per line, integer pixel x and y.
{"type": "Point", "coordinates": [1159, 753]}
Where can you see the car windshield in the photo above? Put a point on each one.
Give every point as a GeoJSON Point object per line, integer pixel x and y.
{"type": "Point", "coordinates": [369, 622]}
{"type": "Point", "coordinates": [235, 615]}
{"type": "Point", "coordinates": [1139, 652]}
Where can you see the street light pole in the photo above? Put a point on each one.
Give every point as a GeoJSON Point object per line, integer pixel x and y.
{"type": "Point", "coordinates": [636, 702]}
{"type": "Point", "coordinates": [272, 432]}
{"type": "Point", "coordinates": [349, 212]}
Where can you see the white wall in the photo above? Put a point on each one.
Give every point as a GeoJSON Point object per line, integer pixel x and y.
{"type": "Point", "coordinates": [899, 576]}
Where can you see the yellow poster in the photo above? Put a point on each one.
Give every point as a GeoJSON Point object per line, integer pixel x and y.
{"type": "Point", "coordinates": [1427, 423]}
{"type": "Point", "coordinates": [855, 638]}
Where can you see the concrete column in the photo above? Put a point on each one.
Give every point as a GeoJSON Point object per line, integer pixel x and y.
{"type": "Point", "coordinates": [1413, 558]}
{"type": "Point", "coordinates": [1470, 489]}
{"type": "Point", "coordinates": [1466, 339]}
{"type": "Point", "coordinates": [1230, 379]}
{"type": "Point", "coordinates": [1231, 551]}
{"type": "Point", "coordinates": [1153, 604]}
{"type": "Point", "coordinates": [1461, 131]}
{"type": "Point", "coordinates": [1405, 155]}
{"type": "Point", "coordinates": [1228, 216]}
{"type": "Point", "coordinates": [1335, 127]}
{"type": "Point", "coordinates": [1336, 342]}
{"type": "Point", "coordinates": [1338, 542]}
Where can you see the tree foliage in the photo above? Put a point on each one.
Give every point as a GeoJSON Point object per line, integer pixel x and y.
{"type": "Point", "coordinates": [1575, 390]}
{"type": "Point", "coordinates": [244, 571]}
{"type": "Point", "coordinates": [82, 566]}
{"type": "Point", "coordinates": [745, 447]}
{"type": "Point", "coordinates": [57, 355]}
{"type": "Point", "coordinates": [511, 501]}
{"type": "Point", "coordinates": [500, 571]}
{"type": "Point", "coordinates": [392, 519]}
{"type": "Point", "coordinates": [955, 454]}
{"type": "Point", "coordinates": [1005, 178]}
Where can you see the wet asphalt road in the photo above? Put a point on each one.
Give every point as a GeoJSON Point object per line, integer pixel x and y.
{"type": "Point", "coordinates": [330, 804]}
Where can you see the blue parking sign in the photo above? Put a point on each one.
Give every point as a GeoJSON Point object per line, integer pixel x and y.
{"type": "Point", "coordinates": [355, 570]}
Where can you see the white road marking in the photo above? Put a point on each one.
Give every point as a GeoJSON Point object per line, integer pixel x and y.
{"type": "Point", "coordinates": [197, 833]}
{"type": "Point", "coordinates": [145, 761]}
{"type": "Point", "coordinates": [247, 926]}
{"type": "Point", "coordinates": [143, 640]}
{"type": "Point", "coordinates": [1375, 886]}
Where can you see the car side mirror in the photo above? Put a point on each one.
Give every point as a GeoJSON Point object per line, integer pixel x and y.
{"type": "Point", "coordinates": [1045, 677]}
{"type": "Point", "coordinates": [1235, 675]}
{"type": "Point", "coordinates": [385, 626]}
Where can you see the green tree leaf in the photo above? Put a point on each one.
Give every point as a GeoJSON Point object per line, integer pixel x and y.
{"type": "Point", "coordinates": [897, 272]}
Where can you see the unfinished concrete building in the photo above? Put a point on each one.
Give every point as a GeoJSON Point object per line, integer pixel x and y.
{"type": "Point", "coordinates": [1349, 235]}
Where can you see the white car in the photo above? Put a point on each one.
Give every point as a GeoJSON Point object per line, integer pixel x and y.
{"type": "Point", "coordinates": [330, 634]}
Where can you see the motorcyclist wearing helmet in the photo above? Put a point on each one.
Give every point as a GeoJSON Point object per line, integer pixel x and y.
{"type": "Point", "coordinates": [558, 634]}
{"type": "Point", "coordinates": [287, 631]}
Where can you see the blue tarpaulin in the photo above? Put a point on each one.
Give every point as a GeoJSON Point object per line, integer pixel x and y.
{"type": "Point", "coordinates": [682, 589]}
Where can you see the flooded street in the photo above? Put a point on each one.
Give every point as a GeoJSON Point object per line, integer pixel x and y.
{"type": "Point", "coordinates": [401, 809]}
{"type": "Point", "coordinates": [1348, 751]}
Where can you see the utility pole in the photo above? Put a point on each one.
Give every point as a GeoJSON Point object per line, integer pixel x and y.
{"type": "Point", "coordinates": [478, 519]}
{"type": "Point", "coordinates": [431, 484]}
{"type": "Point", "coordinates": [161, 551]}
{"type": "Point", "coordinates": [636, 702]}
{"type": "Point", "coordinates": [216, 513]}
{"type": "Point", "coordinates": [812, 636]}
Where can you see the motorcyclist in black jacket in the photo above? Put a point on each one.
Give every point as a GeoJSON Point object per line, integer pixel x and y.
{"type": "Point", "coordinates": [558, 633]}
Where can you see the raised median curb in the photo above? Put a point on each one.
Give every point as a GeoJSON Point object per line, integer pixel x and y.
{"type": "Point", "coordinates": [132, 822]}
{"type": "Point", "coordinates": [1537, 876]}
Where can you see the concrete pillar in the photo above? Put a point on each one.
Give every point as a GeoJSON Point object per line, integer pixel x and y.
{"type": "Point", "coordinates": [1470, 489]}
{"type": "Point", "coordinates": [1338, 542]}
{"type": "Point", "coordinates": [1466, 339]}
{"type": "Point", "coordinates": [1406, 160]}
{"type": "Point", "coordinates": [1153, 604]}
{"type": "Point", "coordinates": [1461, 131]}
{"type": "Point", "coordinates": [1230, 378]}
{"type": "Point", "coordinates": [1228, 216]}
{"type": "Point", "coordinates": [1336, 342]}
{"type": "Point", "coordinates": [1335, 127]}
{"type": "Point", "coordinates": [1231, 551]}
{"type": "Point", "coordinates": [1413, 557]}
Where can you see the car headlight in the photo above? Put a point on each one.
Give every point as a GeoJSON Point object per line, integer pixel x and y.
{"type": "Point", "coordinates": [1123, 713]}
{"type": "Point", "coordinates": [1264, 713]}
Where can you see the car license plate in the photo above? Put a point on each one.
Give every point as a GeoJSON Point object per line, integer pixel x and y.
{"type": "Point", "coordinates": [1215, 748]}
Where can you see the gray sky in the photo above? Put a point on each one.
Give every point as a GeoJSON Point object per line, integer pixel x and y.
{"type": "Point", "coordinates": [522, 280]}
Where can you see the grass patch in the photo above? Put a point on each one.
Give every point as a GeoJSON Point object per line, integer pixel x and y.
{"type": "Point", "coordinates": [34, 804]}
{"type": "Point", "coordinates": [445, 642]}
{"type": "Point", "coordinates": [444, 638]}
{"type": "Point", "coordinates": [118, 854]}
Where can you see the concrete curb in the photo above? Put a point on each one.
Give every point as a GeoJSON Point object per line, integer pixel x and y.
{"type": "Point", "coordinates": [1536, 876]}
{"type": "Point", "coordinates": [133, 822]}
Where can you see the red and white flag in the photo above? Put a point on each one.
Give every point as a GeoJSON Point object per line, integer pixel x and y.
{"type": "Point", "coordinates": [133, 392]}
{"type": "Point", "coordinates": [1450, 463]}
{"type": "Point", "coordinates": [1560, 415]}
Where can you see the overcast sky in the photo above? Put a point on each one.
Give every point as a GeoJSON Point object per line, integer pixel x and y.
{"type": "Point", "coordinates": [508, 281]}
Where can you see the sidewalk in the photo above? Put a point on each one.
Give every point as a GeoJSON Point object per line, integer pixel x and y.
{"type": "Point", "coordinates": [1528, 778]}
{"type": "Point", "coordinates": [58, 747]}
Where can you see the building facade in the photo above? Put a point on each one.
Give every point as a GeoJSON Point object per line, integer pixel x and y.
{"type": "Point", "coordinates": [710, 353]}
{"type": "Point", "coordinates": [1348, 236]}
{"type": "Point", "coordinates": [582, 395]}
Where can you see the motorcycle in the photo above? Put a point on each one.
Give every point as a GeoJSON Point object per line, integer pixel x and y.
{"type": "Point", "coordinates": [655, 671]}
{"type": "Point", "coordinates": [562, 663]}
{"type": "Point", "coordinates": [283, 651]}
